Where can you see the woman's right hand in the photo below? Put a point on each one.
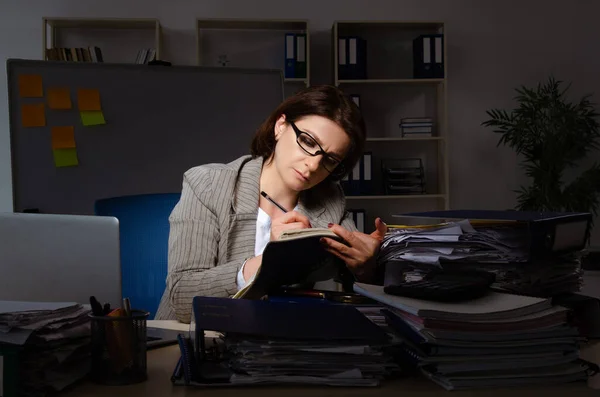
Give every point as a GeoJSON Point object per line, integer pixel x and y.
{"type": "Point", "coordinates": [288, 221]}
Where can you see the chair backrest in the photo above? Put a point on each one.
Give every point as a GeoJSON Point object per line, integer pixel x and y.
{"type": "Point", "coordinates": [144, 234]}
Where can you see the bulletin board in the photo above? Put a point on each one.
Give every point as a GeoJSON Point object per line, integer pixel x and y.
{"type": "Point", "coordinates": [80, 132]}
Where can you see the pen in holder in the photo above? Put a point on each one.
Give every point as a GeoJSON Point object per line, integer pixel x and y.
{"type": "Point", "coordinates": [119, 346]}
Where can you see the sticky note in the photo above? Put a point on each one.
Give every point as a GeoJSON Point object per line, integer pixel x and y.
{"type": "Point", "coordinates": [33, 115]}
{"type": "Point", "coordinates": [65, 157]}
{"type": "Point", "coordinates": [58, 98]}
{"type": "Point", "coordinates": [92, 118]}
{"type": "Point", "coordinates": [88, 99]}
{"type": "Point", "coordinates": [30, 86]}
{"type": "Point", "coordinates": [63, 137]}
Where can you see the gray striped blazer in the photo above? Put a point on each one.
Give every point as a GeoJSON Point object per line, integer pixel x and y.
{"type": "Point", "coordinates": [213, 229]}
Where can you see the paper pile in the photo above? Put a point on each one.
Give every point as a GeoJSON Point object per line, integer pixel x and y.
{"type": "Point", "coordinates": [498, 340]}
{"type": "Point", "coordinates": [54, 342]}
{"type": "Point", "coordinates": [501, 248]}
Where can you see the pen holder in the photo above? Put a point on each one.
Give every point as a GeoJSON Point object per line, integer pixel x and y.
{"type": "Point", "coordinates": [119, 348]}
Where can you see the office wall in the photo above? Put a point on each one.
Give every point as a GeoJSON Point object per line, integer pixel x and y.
{"type": "Point", "coordinates": [493, 47]}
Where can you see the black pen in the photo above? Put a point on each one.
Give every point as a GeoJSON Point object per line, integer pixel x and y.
{"type": "Point", "coordinates": [265, 195]}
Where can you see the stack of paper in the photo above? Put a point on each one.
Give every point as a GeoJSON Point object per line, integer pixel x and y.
{"type": "Point", "coordinates": [408, 253]}
{"type": "Point", "coordinates": [258, 360]}
{"type": "Point", "coordinates": [54, 340]}
{"type": "Point", "coordinates": [497, 340]}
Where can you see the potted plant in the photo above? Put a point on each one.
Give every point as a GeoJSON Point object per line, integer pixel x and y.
{"type": "Point", "coordinates": [553, 135]}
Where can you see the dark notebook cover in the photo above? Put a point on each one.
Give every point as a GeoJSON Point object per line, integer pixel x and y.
{"type": "Point", "coordinates": [285, 320]}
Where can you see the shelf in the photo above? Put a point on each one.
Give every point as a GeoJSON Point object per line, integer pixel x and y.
{"type": "Point", "coordinates": [250, 43]}
{"type": "Point", "coordinates": [394, 139]}
{"type": "Point", "coordinates": [252, 24]}
{"type": "Point", "coordinates": [103, 33]}
{"type": "Point", "coordinates": [396, 197]}
{"type": "Point", "coordinates": [410, 25]}
{"type": "Point", "coordinates": [305, 81]}
{"type": "Point", "coordinates": [103, 23]}
{"type": "Point", "coordinates": [392, 81]}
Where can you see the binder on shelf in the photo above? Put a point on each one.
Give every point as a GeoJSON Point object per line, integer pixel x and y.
{"type": "Point", "coordinates": [290, 56]}
{"type": "Point", "coordinates": [550, 233]}
{"type": "Point", "coordinates": [343, 58]}
{"type": "Point", "coordinates": [356, 99]}
{"type": "Point", "coordinates": [428, 56]}
{"type": "Point", "coordinates": [358, 217]}
{"type": "Point", "coordinates": [438, 69]}
{"type": "Point", "coordinates": [366, 178]}
{"type": "Point", "coordinates": [300, 70]}
{"type": "Point", "coordinates": [355, 179]}
{"type": "Point", "coordinates": [357, 58]}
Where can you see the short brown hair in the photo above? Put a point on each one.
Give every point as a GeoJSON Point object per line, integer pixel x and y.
{"type": "Point", "coordinates": [322, 100]}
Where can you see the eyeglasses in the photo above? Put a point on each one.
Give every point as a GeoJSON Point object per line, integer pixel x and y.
{"type": "Point", "coordinates": [312, 148]}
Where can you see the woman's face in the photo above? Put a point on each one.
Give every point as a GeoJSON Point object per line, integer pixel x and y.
{"type": "Point", "coordinates": [299, 170]}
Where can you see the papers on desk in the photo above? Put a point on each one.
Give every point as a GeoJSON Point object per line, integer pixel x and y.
{"type": "Point", "coordinates": [495, 341]}
{"type": "Point", "coordinates": [54, 339]}
{"type": "Point", "coordinates": [410, 252]}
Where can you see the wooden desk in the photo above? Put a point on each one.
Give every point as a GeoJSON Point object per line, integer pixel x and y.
{"type": "Point", "coordinates": [161, 363]}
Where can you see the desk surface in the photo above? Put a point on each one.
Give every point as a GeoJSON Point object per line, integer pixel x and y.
{"type": "Point", "coordinates": [161, 363]}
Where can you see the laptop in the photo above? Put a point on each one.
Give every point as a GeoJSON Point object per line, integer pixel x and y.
{"type": "Point", "coordinates": [64, 258]}
{"type": "Point", "coordinates": [59, 258]}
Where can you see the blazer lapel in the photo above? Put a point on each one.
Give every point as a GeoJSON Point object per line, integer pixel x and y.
{"type": "Point", "coordinates": [244, 209]}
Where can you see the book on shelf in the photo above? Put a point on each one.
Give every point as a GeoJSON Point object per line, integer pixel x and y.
{"type": "Point", "coordinates": [75, 54]}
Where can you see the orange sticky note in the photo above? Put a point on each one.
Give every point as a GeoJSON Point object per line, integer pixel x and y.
{"type": "Point", "coordinates": [63, 137]}
{"type": "Point", "coordinates": [33, 115]}
{"type": "Point", "coordinates": [30, 86]}
{"type": "Point", "coordinates": [58, 98]}
{"type": "Point", "coordinates": [88, 99]}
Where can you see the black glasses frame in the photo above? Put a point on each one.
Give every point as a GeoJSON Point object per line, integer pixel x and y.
{"type": "Point", "coordinates": [337, 170]}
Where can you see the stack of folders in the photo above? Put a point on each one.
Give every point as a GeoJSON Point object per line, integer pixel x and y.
{"type": "Point", "coordinates": [265, 342]}
{"type": "Point", "coordinates": [53, 341]}
{"type": "Point", "coordinates": [403, 176]}
{"type": "Point", "coordinates": [416, 127]}
{"type": "Point", "coordinates": [498, 340]}
{"type": "Point", "coordinates": [510, 249]}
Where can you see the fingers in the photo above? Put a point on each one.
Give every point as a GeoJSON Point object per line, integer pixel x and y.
{"type": "Point", "coordinates": [380, 229]}
{"type": "Point", "coordinates": [341, 231]}
{"type": "Point", "coordinates": [293, 216]}
{"type": "Point", "coordinates": [340, 250]}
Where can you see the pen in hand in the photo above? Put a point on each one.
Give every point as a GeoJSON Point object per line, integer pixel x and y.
{"type": "Point", "coordinates": [265, 195]}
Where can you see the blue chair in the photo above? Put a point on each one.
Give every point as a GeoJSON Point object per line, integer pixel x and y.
{"type": "Point", "coordinates": [144, 235]}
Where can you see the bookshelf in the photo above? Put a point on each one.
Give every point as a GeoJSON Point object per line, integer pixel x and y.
{"type": "Point", "coordinates": [120, 40]}
{"type": "Point", "coordinates": [389, 90]}
{"type": "Point", "coordinates": [252, 43]}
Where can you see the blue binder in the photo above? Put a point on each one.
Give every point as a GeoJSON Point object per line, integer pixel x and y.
{"type": "Point", "coordinates": [290, 56]}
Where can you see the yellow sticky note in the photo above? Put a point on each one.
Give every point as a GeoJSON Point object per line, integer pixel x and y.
{"type": "Point", "coordinates": [63, 137]}
{"type": "Point", "coordinates": [33, 115]}
{"type": "Point", "coordinates": [59, 98]}
{"type": "Point", "coordinates": [92, 118]}
{"type": "Point", "coordinates": [30, 86]}
{"type": "Point", "coordinates": [88, 99]}
{"type": "Point", "coordinates": [65, 157]}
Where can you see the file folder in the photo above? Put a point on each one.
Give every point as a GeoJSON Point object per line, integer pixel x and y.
{"type": "Point", "coordinates": [290, 56]}
{"type": "Point", "coordinates": [366, 179]}
{"type": "Point", "coordinates": [423, 57]}
{"type": "Point", "coordinates": [343, 58]}
{"type": "Point", "coordinates": [358, 217]}
{"type": "Point", "coordinates": [550, 233]}
{"type": "Point", "coordinates": [300, 70]}
{"type": "Point", "coordinates": [357, 58]}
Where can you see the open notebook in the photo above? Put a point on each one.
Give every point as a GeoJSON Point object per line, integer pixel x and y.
{"type": "Point", "coordinates": [296, 257]}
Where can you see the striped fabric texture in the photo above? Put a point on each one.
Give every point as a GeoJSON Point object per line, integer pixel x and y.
{"type": "Point", "coordinates": [213, 229]}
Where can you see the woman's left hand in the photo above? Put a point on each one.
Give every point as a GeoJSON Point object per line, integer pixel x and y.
{"type": "Point", "coordinates": [359, 255]}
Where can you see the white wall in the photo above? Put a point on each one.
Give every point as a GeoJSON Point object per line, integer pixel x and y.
{"type": "Point", "coordinates": [494, 46]}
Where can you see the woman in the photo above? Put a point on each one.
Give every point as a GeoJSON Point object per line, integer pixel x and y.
{"type": "Point", "coordinates": [222, 223]}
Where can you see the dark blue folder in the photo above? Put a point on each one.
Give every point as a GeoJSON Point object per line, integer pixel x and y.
{"type": "Point", "coordinates": [284, 320]}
